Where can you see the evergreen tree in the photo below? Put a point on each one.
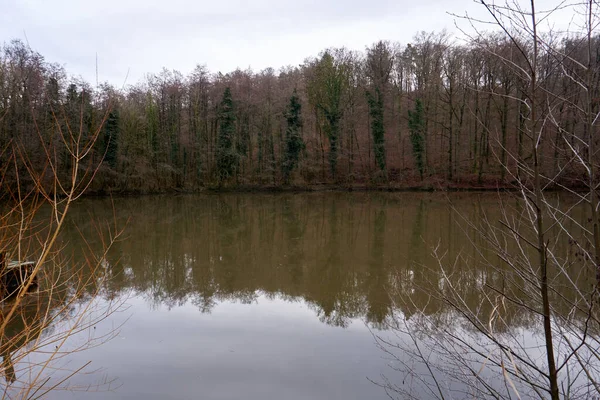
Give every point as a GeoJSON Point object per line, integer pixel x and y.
{"type": "Point", "coordinates": [378, 68]}
{"type": "Point", "coordinates": [377, 128]}
{"type": "Point", "coordinates": [294, 142]}
{"type": "Point", "coordinates": [416, 125]}
{"type": "Point", "coordinates": [78, 112]}
{"type": "Point", "coordinates": [152, 128]}
{"type": "Point", "coordinates": [111, 135]}
{"type": "Point", "coordinates": [327, 90]}
{"type": "Point", "coordinates": [227, 157]}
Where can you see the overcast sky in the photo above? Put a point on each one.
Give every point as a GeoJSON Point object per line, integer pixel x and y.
{"type": "Point", "coordinates": [142, 36]}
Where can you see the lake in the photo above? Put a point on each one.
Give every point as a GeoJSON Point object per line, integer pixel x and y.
{"type": "Point", "coordinates": [258, 296]}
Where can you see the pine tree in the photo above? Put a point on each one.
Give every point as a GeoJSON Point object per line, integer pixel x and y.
{"type": "Point", "coordinates": [227, 157]}
{"type": "Point", "coordinates": [327, 90]}
{"type": "Point", "coordinates": [152, 129]}
{"type": "Point", "coordinates": [294, 142]}
{"type": "Point", "coordinates": [416, 125]}
{"type": "Point", "coordinates": [377, 128]}
{"type": "Point", "coordinates": [379, 64]}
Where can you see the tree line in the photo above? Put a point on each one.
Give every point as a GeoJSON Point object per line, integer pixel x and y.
{"type": "Point", "coordinates": [432, 112]}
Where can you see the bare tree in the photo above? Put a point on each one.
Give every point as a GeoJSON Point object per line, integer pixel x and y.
{"type": "Point", "coordinates": [55, 297]}
{"type": "Point", "coordinates": [539, 256]}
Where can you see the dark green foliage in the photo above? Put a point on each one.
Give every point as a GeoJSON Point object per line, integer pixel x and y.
{"type": "Point", "coordinates": [294, 142]}
{"type": "Point", "coordinates": [111, 135]}
{"type": "Point", "coordinates": [326, 91]}
{"type": "Point", "coordinates": [79, 110]}
{"type": "Point", "coordinates": [416, 125]}
{"type": "Point", "coordinates": [243, 144]}
{"type": "Point", "coordinates": [227, 157]}
{"type": "Point", "coordinates": [152, 128]}
{"type": "Point", "coordinates": [377, 128]}
{"type": "Point", "coordinates": [53, 95]}
{"type": "Point", "coordinates": [72, 105]}
{"type": "Point", "coordinates": [78, 119]}
{"type": "Point", "coordinates": [332, 130]}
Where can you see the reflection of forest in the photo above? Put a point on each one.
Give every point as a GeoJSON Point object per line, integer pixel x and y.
{"type": "Point", "coordinates": [347, 255]}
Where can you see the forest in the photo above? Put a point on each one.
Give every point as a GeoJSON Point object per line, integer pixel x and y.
{"type": "Point", "coordinates": [434, 113]}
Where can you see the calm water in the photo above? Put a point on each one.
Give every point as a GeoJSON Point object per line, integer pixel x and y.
{"type": "Point", "coordinates": [266, 296]}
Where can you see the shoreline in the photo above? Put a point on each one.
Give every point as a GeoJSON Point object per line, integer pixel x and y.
{"type": "Point", "coordinates": [506, 188]}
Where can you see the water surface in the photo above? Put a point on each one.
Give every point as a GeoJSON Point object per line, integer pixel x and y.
{"type": "Point", "coordinates": [267, 296]}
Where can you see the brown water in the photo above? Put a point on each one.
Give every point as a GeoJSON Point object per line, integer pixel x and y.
{"type": "Point", "coordinates": [260, 296]}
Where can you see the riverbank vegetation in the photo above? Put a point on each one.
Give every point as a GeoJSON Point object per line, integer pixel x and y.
{"type": "Point", "coordinates": [434, 113]}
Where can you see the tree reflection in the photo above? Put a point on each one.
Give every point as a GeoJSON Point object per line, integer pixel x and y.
{"type": "Point", "coordinates": [346, 255]}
